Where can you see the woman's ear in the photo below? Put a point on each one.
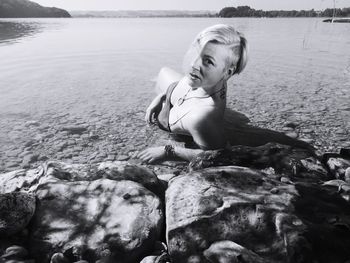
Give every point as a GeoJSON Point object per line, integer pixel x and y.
{"type": "Point", "coordinates": [230, 71]}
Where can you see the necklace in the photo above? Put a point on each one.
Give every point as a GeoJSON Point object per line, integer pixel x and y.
{"type": "Point", "coordinates": [181, 100]}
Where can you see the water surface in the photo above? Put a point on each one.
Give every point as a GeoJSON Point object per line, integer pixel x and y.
{"type": "Point", "coordinates": [99, 73]}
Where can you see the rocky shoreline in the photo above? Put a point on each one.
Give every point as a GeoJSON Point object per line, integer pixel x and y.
{"type": "Point", "coordinates": [27, 143]}
{"type": "Point", "coordinates": [271, 203]}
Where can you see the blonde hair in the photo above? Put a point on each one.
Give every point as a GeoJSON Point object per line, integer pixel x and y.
{"type": "Point", "coordinates": [226, 35]}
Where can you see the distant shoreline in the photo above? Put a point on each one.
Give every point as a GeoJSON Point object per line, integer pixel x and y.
{"type": "Point", "coordinates": [227, 12]}
{"type": "Point", "coordinates": [141, 14]}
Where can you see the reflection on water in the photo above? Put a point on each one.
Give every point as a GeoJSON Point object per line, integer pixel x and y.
{"type": "Point", "coordinates": [11, 32]}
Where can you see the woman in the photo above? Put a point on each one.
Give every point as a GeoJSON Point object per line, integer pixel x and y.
{"type": "Point", "coordinates": [195, 104]}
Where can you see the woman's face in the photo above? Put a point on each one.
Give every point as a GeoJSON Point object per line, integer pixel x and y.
{"type": "Point", "coordinates": [209, 66]}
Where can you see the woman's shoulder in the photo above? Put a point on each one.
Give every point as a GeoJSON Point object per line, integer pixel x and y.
{"type": "Point", "coordinates": [166, 77]}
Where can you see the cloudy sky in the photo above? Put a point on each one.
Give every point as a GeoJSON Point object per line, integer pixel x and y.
{"type": "Point", "coordinates": [214, 5]}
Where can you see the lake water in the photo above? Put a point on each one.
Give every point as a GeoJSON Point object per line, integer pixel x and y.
{"type": "Point", "coordinates": [99, 73]}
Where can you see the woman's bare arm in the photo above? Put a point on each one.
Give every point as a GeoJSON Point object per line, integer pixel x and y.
{"type": "Point", "coordinates": [166, 77]}
{"type": "Point", "coordinates": [153, 154]}
{"type": "Point", "coordinates": [185, 153]}
{"type": "Point", "coordinates": [206, 128]}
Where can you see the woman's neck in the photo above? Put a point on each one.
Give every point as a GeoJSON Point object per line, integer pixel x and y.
{"type": "Point", "coordinates": [219, 90]}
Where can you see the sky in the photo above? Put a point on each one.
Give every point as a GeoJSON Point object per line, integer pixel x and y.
{"type": "Point", "coordinates": [212, 5]}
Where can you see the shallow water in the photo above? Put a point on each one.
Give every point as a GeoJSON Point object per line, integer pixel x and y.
{"type": "Point", "coordinates": [98, 73]}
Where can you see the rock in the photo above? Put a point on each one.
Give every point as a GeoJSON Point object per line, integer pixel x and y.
{"type": "Point", "coordinates": [163, 258]}
{"type": "Point", "coordinates": [110, 157]}
{"type": "Point", "coordinates": [307, 131]}
{"type": "Point", "coordinates": [13, 153]}
{"type": "Point", "coordinates": [159, 255]}
{"type": "Point", "coordinates": [342, 187]}
{"type": "Point", "coordinates": [13, 164]}
{"type": "Point", "coordinates": [43, 158]}
{"type": "Point", "coordinates": [39, 137]}
{"type": "Point", "coordinates": [166, 177]}
{"type": "Point", "coordinates": [20, 180]}
{"type": "Point", "coordinates": [59, 258]}
{"type": "Point", "coordinates": [74, 129]}
{"type": "Point", "coordinates": [93, 137]}
{"type": "Point", "coordinates": [121, 217]}
{"type": "Point", "coordinates": [337, 166]}
{"type": "Point", "coordinates": [347, 175]}
{"type": "Point", "coordinates": [123, 157]}
{"type": "Point", "coordinates": [149, 259]}
{"type": "Point", "coordinates": [29, 143]}
{"type": "Point", "coordinates": [30, 158]}
{"type": "Point", "coordinates": [287, 129]}
{"type": "Point", "coordinates": [239, 209]}
{"type": "Point", "coordinates": [285, 160]}
{"type": "Point", "coordinates": [291, 125]}
{"type": "Point", "coordinates": [15, 252]}
{"type": "Point", "coordinates": [16, 210]}
{"type": "Point", "coordinates": [118, 170]}
{"type": "Point", "coordinates": [102, 211]}
{"type": "Point", "coordinates": [61, 146]}
{"type": "Point", "coordinates": [230, 252]}
{"type": "Point", "coordinates": [307, 140]}
{"type": "Point", "coordinates": [226, 203]}
{"type": "Point", "coordinates": [24, 153]}
{"type": "Point", "coordinates": [291, 134]}
{"type": "Point", "coordinates": [274, 191]}
{"type": "Point", "coordinates": [285, 180]}
{"type": "Point", "coordinates": [77, 149]}
{"type": "Point", "coordinates": [32, 123]}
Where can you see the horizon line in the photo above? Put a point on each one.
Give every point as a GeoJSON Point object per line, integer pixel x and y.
{"type": "Point", "coordinates": [189, 10]}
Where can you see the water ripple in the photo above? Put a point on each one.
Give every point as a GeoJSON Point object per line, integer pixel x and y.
{"type": "Point", "coordinates": [12, 32]}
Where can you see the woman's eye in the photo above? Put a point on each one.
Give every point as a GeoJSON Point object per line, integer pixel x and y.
{"type": "Point", "coordinates": [208, 61]}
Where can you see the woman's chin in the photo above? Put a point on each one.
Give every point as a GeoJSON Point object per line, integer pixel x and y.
{"type": "Point", "coordinates": [194, 83]}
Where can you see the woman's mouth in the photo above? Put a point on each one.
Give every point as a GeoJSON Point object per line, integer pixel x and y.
{"type": "Point", "coordinates": [194, 76]}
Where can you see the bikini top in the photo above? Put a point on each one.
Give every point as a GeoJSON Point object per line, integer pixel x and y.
{"type": "Point", "coordinates": [163, 116]}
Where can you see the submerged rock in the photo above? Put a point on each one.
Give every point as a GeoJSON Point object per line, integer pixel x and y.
{"type": "Point", "coordinates": [74, 129]}
{"type": "Point", "coordinates": [266, 220]}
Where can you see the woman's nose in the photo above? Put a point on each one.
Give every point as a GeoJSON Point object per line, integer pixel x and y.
{"type": "Point", "coordinates": [196, 63]}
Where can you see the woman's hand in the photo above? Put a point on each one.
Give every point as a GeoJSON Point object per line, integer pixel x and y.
{"type": "Point", "coordinates": [151, 155]}
{"type": "Point", "coordinates": [154, 108]}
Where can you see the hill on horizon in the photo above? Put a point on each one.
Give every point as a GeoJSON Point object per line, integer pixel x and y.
{"type": "Point", "coordinates": [26, 8]}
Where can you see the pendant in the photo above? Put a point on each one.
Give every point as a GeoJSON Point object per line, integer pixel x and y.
{"type": "Point", "coordinates": [180, 101]}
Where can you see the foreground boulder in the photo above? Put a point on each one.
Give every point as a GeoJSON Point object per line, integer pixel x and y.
{"type": "Point", "coordinates": [102, 212]}
{"type": "Point", "coordinates": [102, 219]}
{"type": "Point", "coordinates": [235, 214]}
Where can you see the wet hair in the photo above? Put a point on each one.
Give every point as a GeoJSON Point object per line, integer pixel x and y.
{"type": "Point", "coordinates": [226, 35]}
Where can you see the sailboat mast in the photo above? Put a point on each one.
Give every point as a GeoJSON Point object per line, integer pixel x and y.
{"type": "Point", "coordinates": [333, 11]}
